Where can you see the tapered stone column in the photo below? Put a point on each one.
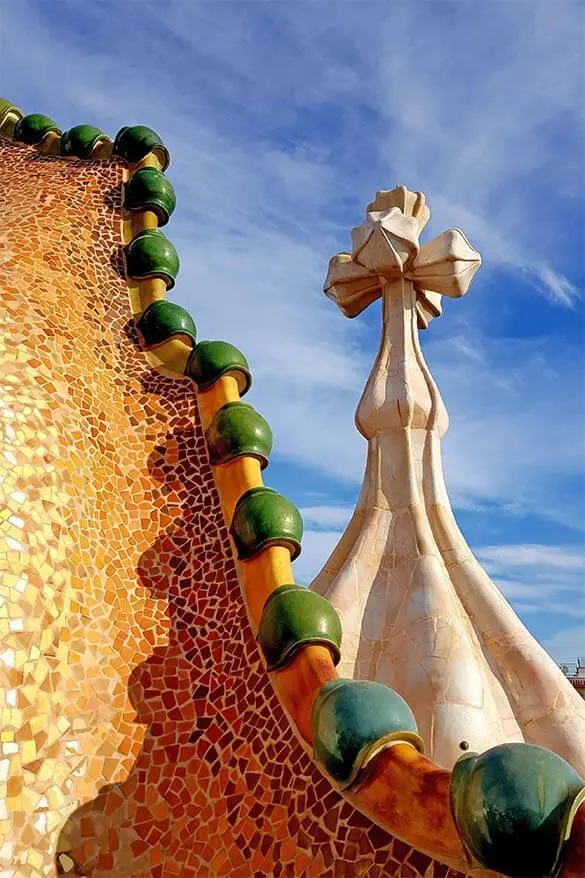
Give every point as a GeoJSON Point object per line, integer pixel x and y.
{"type": "Point", "coordinates": [418, 611]}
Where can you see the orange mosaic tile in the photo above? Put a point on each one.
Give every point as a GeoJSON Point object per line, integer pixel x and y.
{"type": "Point", "coordinates": [140, 735]}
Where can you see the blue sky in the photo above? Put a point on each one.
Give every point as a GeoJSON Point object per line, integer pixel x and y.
{"type": "Point", "coordinates": [283, 118]}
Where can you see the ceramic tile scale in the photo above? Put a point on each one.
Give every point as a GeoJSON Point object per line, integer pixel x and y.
{"type": "Point", "coordinates": [141, 733]}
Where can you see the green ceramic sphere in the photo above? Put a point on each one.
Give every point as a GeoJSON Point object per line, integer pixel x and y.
{"type": "Point", "coordinates": [162, 320]}
{"type": "Point", "coordinates": [512, 805]}
{"type": "Point", "coordinates": [150, 254]}
{"type": "Point", "coordinates": [10, 116]}
{"type": "Point", "coordinates": [80, 141]}
{"type": "Point", "coordinates": [134, 143]}
{"type": "Point", "coordinates": [32, 128]}
{"type": "Point", "coordinates": [212, 359]}
{"type": "Point", "coordinates": [353, 721]}
{"type": "Point", "coordinates": [9, 107]}
{"type": "Point", "coordinates": [149, 189]}
{"type": "Point", "coordinates": [264, 518]}
{"type": "Point", "coordinates": [294, 617]}
{"type": "Point", "coordinates": [238, 429]}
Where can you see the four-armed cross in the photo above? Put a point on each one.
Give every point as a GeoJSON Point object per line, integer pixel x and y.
{"type": "Point", "coordinates": [386, 248]}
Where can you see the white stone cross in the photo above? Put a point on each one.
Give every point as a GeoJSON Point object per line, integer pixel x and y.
{"type": "Point", "coordinates": [386, 248]}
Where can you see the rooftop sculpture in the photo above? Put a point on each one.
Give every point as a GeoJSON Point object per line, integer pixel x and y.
{"type": "Point", "coordinates": [418, 611]}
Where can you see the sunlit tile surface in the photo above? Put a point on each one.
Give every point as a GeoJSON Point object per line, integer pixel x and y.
{"type": "Point", "coordinates": [139, 734]}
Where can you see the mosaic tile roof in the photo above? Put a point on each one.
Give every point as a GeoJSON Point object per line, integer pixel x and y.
{"type": "Point", "coordinates": [146, 738]}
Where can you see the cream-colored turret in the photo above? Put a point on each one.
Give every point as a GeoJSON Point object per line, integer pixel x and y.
{"type": "Point", "coordinates": [418, 611]}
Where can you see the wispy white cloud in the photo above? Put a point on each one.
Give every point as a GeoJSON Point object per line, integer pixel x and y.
{"type": "Point", "coordinates": [326, 516]}
{"type": "Point", "coordinates": [560, 289]}
{"type": "Point", "coordinates": [567, 644]}
{"type": "Point", "coordinates": [538, 578]}
{"type": "Point", "coordinates": [324, 526]}
{"type": "Point", "coordinates": [534, 556]}
{"type": "Point", "coordinates": [517, 410]}
{"type": "Point", "coordinates": [317, 546]}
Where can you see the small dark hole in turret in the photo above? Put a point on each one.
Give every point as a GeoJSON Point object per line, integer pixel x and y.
{"type": "Point", "coordinates": [464, 745]}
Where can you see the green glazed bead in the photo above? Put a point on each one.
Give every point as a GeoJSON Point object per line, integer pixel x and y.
{"type": "Point", "coordinates": [8, 107]}
{"type": "Point", "coordinates": [512, 806]}
{"type": "Point", "coordinates": [211, 360]}
{"type": "Point", "coordinates": [353, 721]}
{"type": "Point", "coordinates": [149, 189]}
{"type": "Point", "coordinates": [264, 518]}
{"type": "Point", "coordinates": [32, 128]}
{"type": "Point", "coordinates": [150, 254]}
{"type": "Point", "coordinates": [162, 320]}
{"type": "Point", "coordinates": [134, 142]}
{"type": "Point", "coordinates": [293, 617]}
{"type": "Point", "coordinates": [238, 429]}
{"type": "Point", "coordinates": [81, 140]}
{"type": "Point", "coordinates": [10, 116]}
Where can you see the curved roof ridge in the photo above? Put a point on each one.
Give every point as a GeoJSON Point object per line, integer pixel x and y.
{"type": "Point", "coordinates": [132, 142]}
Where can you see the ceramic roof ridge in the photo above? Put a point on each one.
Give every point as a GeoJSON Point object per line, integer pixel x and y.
{"type": "Point", "coordinates": [132, 143]}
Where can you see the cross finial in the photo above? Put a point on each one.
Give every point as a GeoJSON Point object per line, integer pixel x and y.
{"type": "Point", "coordinates": [386, 248]}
